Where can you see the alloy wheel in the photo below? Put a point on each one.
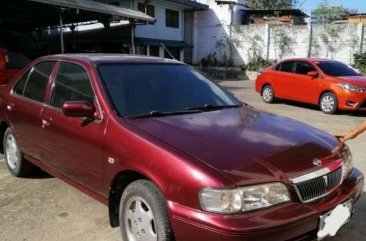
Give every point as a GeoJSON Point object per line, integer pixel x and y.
{"type": "Point", "coordinates": [140, 220]}
{"type": "Point", "coordinates": [328, 103]}
{"type": "Point", "coordinates": [12, 152]}
{"type": "Point", "coordinates": [267, 94]}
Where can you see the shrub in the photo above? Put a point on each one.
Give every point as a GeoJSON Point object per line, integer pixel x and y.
{"type": "Point", "coordinates": [360, 62]}
{"type": "Point", "coordinates": [256, 64]}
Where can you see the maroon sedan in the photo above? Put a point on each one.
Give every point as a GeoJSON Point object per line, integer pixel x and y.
{"type": "Point", "coordinates": [174, 156]}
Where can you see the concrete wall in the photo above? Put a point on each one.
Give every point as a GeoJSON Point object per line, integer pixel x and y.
{"type": "Point", "coordinates": [338, 42]}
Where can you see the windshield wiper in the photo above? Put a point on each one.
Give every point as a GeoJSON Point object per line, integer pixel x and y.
{"type": "Point", "coordinates": [208, 107]}
{"type": "Point", "coordinates": [155, 113]}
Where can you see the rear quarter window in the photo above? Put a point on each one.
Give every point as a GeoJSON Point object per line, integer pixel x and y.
{"type": "Point", "coordinates": [286, 67]}
{"type": "Point", "coordinates": [36, 83]}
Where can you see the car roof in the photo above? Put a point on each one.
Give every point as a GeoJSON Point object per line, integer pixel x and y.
{"type": "Point", "coordinates": [111, 58]}
{"type": "Point", "coordinates": [307, 59]}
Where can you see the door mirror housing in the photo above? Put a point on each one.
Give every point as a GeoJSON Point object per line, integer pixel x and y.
{"type": "Point", "coordinates": [313, 74]}
{"type": "Point", "coordinates": [78, 109]}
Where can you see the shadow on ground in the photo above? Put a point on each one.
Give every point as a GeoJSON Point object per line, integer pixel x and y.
{"type": "Point", "coordinates": [315, 107]}
{"type": "Point", "coordinates": [38, 173]}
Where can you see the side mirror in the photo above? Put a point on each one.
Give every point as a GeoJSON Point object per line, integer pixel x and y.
{"type": "Point", "coordinates": [78, 109]}
{"type": "Point", "coordinates": [313, 74]}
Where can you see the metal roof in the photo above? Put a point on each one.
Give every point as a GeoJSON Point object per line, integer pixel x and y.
{"type": "Point", "coordinates": [97, 7]}
{"type": "Point", "coordinates": [192, 4]}
{"type": "Point", "coordinates": [30, 14]}
{"type": "Point", "coordinates": [295, 12]}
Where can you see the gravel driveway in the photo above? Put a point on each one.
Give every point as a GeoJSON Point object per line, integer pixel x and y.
{"type": "Point", "coordinates": [43, 208]}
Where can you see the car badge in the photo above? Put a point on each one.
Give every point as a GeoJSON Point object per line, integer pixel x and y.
{"type": "Point", "coordinates": [317, 162]}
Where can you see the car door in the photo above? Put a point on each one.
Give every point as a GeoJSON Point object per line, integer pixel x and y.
{"type": "Point", "coordinates": [306, 88]}
{"type": "Point", "coordinates": [24, 106]}
{"type": "Point", "coordinates": [74, 144]}
{"type": "Point", "coordinates": [282, 79]}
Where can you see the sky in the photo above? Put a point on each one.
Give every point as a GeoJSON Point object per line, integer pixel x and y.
{"type": "Point", "coordinates": [359, 5]}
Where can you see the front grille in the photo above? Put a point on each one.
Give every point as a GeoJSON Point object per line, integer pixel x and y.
{"type": "Point", "coordinates": [318, 187]}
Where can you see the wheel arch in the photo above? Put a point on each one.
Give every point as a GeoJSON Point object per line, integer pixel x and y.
{"type": "Point", "coordinates": [324, 92]}
{"type": "Point", "coordinates": [118, 185]}
{"type": "Point", "coordinates": [264, 85]}
{"type": "Point", "coordinates": [3, 127]}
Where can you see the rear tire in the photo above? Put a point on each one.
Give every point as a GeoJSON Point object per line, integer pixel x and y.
{"type": "Point", "coordinates": [328, 103]}
{"type": "Point", "coordinates": [14, 158]}
{"type": "Point", "coordinates": [143, 214]}
{"type": "Point", "coordinates": [268, 95]}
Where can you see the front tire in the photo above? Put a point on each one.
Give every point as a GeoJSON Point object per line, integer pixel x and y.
{"type": "Point", "coordinates": [268, 95]}
{"type": "Point", "coordinates": [143, 215]}
{"type": "Point", "coordinates": [14, 158]}
{"type": "Point", "coordinates": [328, 103]}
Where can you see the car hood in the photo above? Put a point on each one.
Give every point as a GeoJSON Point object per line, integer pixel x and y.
{"type": "Point", "coordinates": [244, 144]}
{"type": "Point", "coordinates": [353, 80]}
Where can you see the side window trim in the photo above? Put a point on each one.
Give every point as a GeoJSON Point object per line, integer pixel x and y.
{"type": "Point", "coordinates": [29, 72]}
{"type": "Point", "coordinates": [52, 86]}
{"type": "Point", "coordinates": [292, 67]}
{"type": "Point", "coordinates": [304, 62]}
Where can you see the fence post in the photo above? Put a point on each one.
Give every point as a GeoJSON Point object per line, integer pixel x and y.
{"type": "Point", "coordinates": [267, 39]}
{"type": "Point", "coordinates": [310, 39]}
{"type": "Point", "coordinates": [362, 37]}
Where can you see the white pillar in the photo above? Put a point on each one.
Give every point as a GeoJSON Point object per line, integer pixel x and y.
{"type": "Point", "coordinates": [181, 55]}
{"type": "Point", "coordinates": [161, 52]}
{"type": "Point", "coordinates": [148, 50]}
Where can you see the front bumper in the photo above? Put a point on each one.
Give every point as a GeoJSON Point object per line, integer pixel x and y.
{"type": "Point", "coordinates": [352, 101]}
{"type": "Point", "coordinates": [292, 221]}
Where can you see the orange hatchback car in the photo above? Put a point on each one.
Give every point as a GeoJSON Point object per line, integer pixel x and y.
{"type": "Point", "coordinates": [330, 84]}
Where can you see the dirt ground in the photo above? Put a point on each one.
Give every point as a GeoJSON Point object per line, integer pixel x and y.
{"type": "Point", "coordinates": [43, 208]}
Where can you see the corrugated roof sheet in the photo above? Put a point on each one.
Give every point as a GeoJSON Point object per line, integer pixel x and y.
{"type": "Point", "coordinates": [98, 7]}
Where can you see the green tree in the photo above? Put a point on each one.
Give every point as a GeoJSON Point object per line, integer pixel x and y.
{"type": "Point", "coordinates": [269, 4]}
{"type": "Point", "coordinates": [326, 12]}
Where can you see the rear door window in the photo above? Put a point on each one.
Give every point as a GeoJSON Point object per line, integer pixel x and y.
{"type": "Point", "coordinates": [287, 67]}
{"type": "Point", "coordinates": [72, 83]}
{"type": "Point", "coordinates": [36, 84]}
{"type": "Point", "coordinates": [303, 68]}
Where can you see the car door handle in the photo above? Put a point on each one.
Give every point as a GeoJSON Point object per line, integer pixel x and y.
{"type": "Point", "coordinates": [46, 122]}
{"type": "Point", "coordinates": [10, 106]}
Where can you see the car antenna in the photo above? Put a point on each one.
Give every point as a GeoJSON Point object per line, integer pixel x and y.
{"type": "Point", "coordinates": [167, 51]}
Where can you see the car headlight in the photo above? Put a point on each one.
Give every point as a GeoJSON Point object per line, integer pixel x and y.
{"type": "Point", "coordinates": [346, 156]}
{"type": "Point", "coordinates": [244, 198]}
{"type": "Point", "coordinates": [348, 87]}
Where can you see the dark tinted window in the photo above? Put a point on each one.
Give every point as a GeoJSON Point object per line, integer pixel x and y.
{"type": "Point", "coordinates": [335, 68]}
{"type": "Point", "coordinates": [19, 86]}
{"type": "Point", "coordinates": [287, 67]}
{"type": "Point", "coordinates": [304, 68]}
{"type": "Point", "coordinates": [16, 61]}
{"type": "Point", "coordinates": [171, 18]}
{"type": "Point", "coordinates": [36, 84]}
{"type": "Point", "coordinates": [71, 83]}
{"type": "Point", "coordinates": [142, 88]}
{"type": "Point", "coordinates": [150, 9]}
{"type": "Point", "coordinates": [172, 53]}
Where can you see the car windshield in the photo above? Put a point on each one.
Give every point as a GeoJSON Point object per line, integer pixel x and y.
{"type": "Point", "coordinates": [335, 68]}
{"type": "Point", "coordinates": [142, 90]}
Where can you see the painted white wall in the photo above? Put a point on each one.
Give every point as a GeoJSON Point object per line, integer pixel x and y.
{"type": "Point", "coordinates": [159, 30]}
{"type": "Point", "coordinates": [341, 47]}
{"type": "Point", "coordinates": [212, 27]}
